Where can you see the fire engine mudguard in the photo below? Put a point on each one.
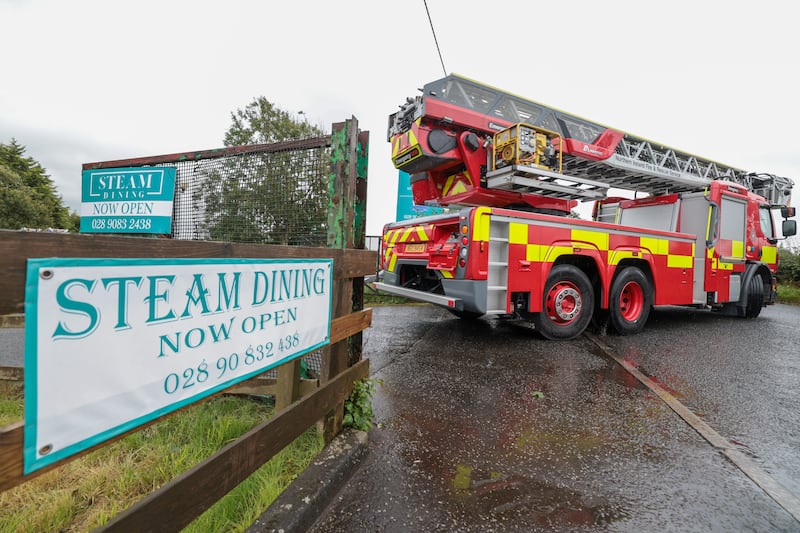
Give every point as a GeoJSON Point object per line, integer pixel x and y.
{"type": "Point", "coordinates": [755, 297]}
{"type": "Point", "coordinates": [567, 304]}
{"type": "Point", "coordinates": [752, 299]}
{"type": "Point", "coordinates": [630, 301]}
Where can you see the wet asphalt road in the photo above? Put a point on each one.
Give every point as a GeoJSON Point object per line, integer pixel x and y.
{"type": "Point", "coordinates": [483, 426]}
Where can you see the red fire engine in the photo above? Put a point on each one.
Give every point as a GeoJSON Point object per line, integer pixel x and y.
{"type": "Point", "coordinates": [512, 170]}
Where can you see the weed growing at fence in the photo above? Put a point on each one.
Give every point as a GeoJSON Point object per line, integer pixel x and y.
{"type": "Point", "coordinates": [89, 491]}
{"type": "Point", "coordinates": [11, 402]}
{"type": "Point", "coordinates": [358, 412]}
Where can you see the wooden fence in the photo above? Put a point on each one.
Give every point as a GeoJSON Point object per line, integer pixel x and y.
{"type": "Point", "coordinates": [176, 504]}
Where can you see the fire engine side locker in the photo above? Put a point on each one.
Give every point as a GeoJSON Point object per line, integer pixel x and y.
{"type": "Point", "coordinates": [497, 275]}
{"type": "Point", "coordinates": [694, 219]}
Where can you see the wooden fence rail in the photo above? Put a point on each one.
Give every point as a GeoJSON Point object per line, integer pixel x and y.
{"type": "Point", "coordinates": [186, 497]}
{"type": "Point", "coordinates": [17, 247]}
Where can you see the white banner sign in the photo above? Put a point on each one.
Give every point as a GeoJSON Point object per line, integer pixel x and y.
{"type": "Point", "coordinates": [111, 344]}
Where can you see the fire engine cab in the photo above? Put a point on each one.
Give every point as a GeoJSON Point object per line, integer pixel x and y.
{"type": "Point", "coordinates": [510, 171]}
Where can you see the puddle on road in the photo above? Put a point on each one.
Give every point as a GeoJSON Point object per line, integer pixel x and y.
{"type": "Point", "coordinates": [527, 502]}
{"type": "Point", "coordinates": [534, 440]}
{"type": "Point", "coordinates": [614, 373]}
{"type": "Point", "coordinates": [568, 443]}
{"type": "Point", "coordinates": [620, 375]}
{"type": "Point", "coordinates": [494, 472]}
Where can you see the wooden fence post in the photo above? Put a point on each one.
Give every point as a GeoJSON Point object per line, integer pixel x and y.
{"type": "Point", "coordinates": [288, 386]}
{"type": "Point", "coordinates": [360, 232]}
{"type": "Point", "coordinates": [341, 234]}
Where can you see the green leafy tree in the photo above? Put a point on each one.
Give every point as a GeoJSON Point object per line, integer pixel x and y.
{"type": "Point", "coordinates": [277, 197]}
{"type": "Point", "coordinates": [263, 122]}
{"type": "Point", "coordinates": [28, 197]}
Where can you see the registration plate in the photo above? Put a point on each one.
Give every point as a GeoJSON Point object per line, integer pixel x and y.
{"type": "Point", "coordinates": [415, 248]}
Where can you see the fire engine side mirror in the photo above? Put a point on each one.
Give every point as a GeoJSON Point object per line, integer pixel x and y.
{"type": "Point", "coordinates": [789, 228]}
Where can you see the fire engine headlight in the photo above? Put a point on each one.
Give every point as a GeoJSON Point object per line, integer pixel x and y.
{"type": "Point", "coordinates": [463, 252]}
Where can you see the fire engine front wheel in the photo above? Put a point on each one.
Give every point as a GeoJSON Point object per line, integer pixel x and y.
{"type": "Point", "coordinates": [567, 304]}
{"type": "Point", "coordinates": [629, 301]}
{"type": "Point", "coordinates": [755, 297]}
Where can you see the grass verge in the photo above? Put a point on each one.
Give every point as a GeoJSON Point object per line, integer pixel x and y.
{"type": "Point", "coordinates": [381, 298]}
{"type": "Point", "coordinates": [87, 492]}
{"type": "Point", "coordinates": [788, 294]}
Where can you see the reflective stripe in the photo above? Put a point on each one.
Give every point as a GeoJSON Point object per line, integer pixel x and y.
{"type": "Point", "coordinates": [598, 238]}
{"type": "Point", "coordinates": [769, 254]}
{"type": "Point", "coordinates": [533, 252]}
{"type": "Point", "coordinates": [517, 233]}
{"type": "Point", "coordinates": [554, 252]}
{"type": "Point", "coordinates": [680, 261]}
{"type": "Point", "coordinates": [410, 141]}
{"type": "Point", "coordinates": [737, 248]}
{"type": "Point", "coordinates": [480, 224]}
{"type": "Point", "coordinates": [392, 263]}
{"type": "Point", "coordinates": [616, 256]}
{"type": "Point", "coordinates": [454, 185]}
{"type": "Point", "coordinates": [655, 246]}
{"type": "Point", "coordinates": [394, 235]}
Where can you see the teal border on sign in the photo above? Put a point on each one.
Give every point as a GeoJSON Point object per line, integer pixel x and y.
{"type": "Point", "coordinates": [129, 222]}
{"type": "Point", "coordinates": [30, 462]}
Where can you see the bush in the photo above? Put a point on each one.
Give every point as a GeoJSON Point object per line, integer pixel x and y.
{"type": "Point", "coordinates": [789, 267]}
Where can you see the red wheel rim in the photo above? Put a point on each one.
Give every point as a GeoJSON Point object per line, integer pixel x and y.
{"type": "Point", "coordinates": [563, 304]}
{"type": "Point", "coordinates": [631, 301]}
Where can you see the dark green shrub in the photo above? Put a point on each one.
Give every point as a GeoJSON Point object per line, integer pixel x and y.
{"type": "Point", "coordinates": [789, 267]}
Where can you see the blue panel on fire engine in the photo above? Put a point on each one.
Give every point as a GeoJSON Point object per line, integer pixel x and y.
{"type": "Point", "coordinates": [406, 209]}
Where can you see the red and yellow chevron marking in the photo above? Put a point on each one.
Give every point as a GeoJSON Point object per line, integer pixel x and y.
{"type": "Point", "coordinates": [411, 234]}
{"type": "Point", "coordinates": [406, 147]}
{"type": "Point", "coordinates": [404, 141]}
{"type": "Point", "coordinates": [456, 184]}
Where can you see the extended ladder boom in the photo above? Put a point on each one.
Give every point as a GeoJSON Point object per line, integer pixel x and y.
{"type": "Point", "coordinates": [431, 135]}
{"type": "Point", "coordinates": [640, 165]}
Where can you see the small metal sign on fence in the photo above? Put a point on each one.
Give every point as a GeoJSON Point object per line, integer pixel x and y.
{"type": "Point", "coordinates": [127, 200]}
{"type": "Point", "coordinates": [111, 344]}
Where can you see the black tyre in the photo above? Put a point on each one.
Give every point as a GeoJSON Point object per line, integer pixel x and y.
{"type": "Point", "coordinates": [629, 301]}
{"type": "Point", "coordinates": [567, 304]}
{"type": "Point", "coordinates": [755, 297]}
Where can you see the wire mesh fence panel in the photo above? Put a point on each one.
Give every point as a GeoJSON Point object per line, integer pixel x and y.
{"type": "Point", "coordinates": [267, 193]}
{"type": "Point", "coordinates": [269, 197]}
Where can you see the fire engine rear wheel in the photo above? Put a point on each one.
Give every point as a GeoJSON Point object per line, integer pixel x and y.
{"type": "Point", "coordinates": [567, 304]}
{"type": "Point", "coordinates": [755, 296]}
{"type": "Point", "coordinates": [630, 300]}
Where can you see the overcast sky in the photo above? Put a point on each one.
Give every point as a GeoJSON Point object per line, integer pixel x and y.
{"type": "Point", "coordinates": [86, 81]}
